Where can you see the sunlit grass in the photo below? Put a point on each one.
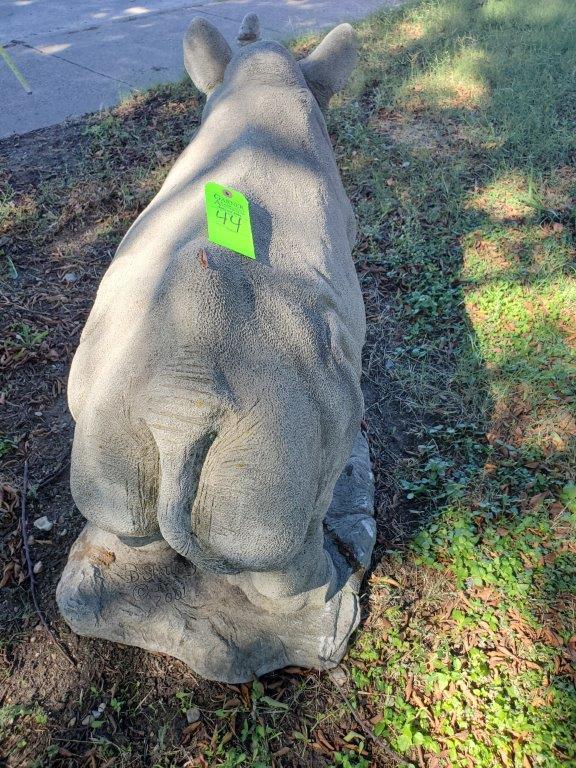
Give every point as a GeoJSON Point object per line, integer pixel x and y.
{"type": "Point", "coordinates": [452, 82]}
{"type": "Point", "coordinates": [469, 107]}
{"type": "Point", "coordinates": [509, 196]}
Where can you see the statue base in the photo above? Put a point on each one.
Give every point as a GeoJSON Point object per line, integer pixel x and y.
{"type": "Point", "coordinates": [152, 598]}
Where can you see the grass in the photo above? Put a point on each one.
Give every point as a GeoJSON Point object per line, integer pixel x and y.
{"type": "Point", "coordinates": [456, 145]}
{"type": "Point", "coordinates": [470, 641]}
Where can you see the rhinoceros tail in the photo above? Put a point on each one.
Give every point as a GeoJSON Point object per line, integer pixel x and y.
{"type": "Point", "coordinates": [179, 476]}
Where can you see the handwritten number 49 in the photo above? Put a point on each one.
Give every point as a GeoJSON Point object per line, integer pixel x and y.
{"type": "Point", "coordinates": [228, 220]}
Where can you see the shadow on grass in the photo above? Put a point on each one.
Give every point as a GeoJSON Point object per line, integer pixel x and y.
{"type": "Point", "coordinates": [458, 155]}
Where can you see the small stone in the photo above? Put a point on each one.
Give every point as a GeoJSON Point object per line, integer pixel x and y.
{"type": "Point", "coordinates": [38, 566]}
{"type": "Point", "coordinates": [43, 524]}
{"type": "Point", "coordinates": [339, 676]}
{"type": "Point", "coordinates": [86, 720]}
{"type": "Point", "coordinates": [70, 277]}
{"type": "Point", "coordinates": [99, 710]}
{"type": "Point", "coordinates": [72, 722]}
{"type": "Point", "coordinates": [192, 714]}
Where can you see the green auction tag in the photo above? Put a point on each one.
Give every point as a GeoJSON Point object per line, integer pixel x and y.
{"type": "Point", "coordinates": [228, 217]}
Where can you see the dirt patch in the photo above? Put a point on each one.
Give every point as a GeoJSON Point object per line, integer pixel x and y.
{"type": "Point", "coordinates": [403, 128]}
{"type": "Point", "coordinates": [418, 130]}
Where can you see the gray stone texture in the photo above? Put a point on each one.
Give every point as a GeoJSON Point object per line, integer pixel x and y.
{"type": "Point", "coordinates": [150, 597]}
{"type": "Point", "coordinates": [217, 399]}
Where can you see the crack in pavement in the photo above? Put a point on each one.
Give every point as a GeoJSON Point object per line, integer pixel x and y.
{"type": "Point", "coordinates": [73, 63]}
{"type": "Point", "coordinates": [90, 26]}
{"type": "Point", "coordinates": [160, 12]}
{"type": "Point", "coordinates": [101, 59]}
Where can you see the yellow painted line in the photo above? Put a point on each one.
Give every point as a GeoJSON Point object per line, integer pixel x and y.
{"type": "Point", "coordinates": [10, 61]}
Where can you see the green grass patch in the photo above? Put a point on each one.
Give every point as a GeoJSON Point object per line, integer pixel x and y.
{"type": "Point", "coordinates": [462, 171]}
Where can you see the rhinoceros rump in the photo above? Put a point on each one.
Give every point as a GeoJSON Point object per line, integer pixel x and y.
{"type": "Point", "coordinates": [217, 399]}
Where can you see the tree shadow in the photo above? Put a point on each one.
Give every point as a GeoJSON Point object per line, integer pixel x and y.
{"type": "Point", "coordinates": [388, 256]}
{"type": "Point", "coordinates": [457, 158]}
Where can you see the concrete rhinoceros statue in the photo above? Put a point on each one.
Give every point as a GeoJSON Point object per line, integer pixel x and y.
{"type": "Point", "coordinates": [217, 399]}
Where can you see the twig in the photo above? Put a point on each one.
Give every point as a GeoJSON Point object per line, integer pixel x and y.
{"type": "Point", "coordinates": [24, 532]}
{"type": "Point", "coordinates": [382, 746]}
{"type": "Point", "coordinates": [15, 71]}
{"type": "Point", "coordinates": [55, 474]}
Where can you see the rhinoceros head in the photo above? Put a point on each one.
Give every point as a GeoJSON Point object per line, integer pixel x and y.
{"type": "Point", "coordinates": [209, 59]}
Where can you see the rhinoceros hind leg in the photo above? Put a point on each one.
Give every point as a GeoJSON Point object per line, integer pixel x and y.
{"type": "Point", "coordinates": [305, 580]}
{"type": "Point", "coordinates": [335, 551]}
{"type": "Point", "coordinates": [151, 597]}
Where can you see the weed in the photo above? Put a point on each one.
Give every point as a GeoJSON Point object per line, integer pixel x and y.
{"type": "Point", "coordinates": [27, 336]}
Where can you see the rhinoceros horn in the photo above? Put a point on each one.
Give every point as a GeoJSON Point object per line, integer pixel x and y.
{"type": "Point", "coordinates": [249, 29]}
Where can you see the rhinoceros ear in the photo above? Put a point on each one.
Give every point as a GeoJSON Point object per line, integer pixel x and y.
{"type": "Point", "coordinates": [328, 67]}
{"type": "Point", "coordinates": [206, 55]}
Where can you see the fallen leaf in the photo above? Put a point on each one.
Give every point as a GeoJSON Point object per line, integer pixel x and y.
{"type": "Point", "coordinates": [203, 258]}
{"type": "Point", "coordinates": [409, 687]}
{"type": "Point", "coordinates": [192, 727]}
{"type": "Point", "coordinates": [245, 693]}
{"type": "Point", "coordinates": [324, 741]}
{"type": "Point", "coordinates": [7, 575]}
{"type": "Point", "coordinates": [387, 580]}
